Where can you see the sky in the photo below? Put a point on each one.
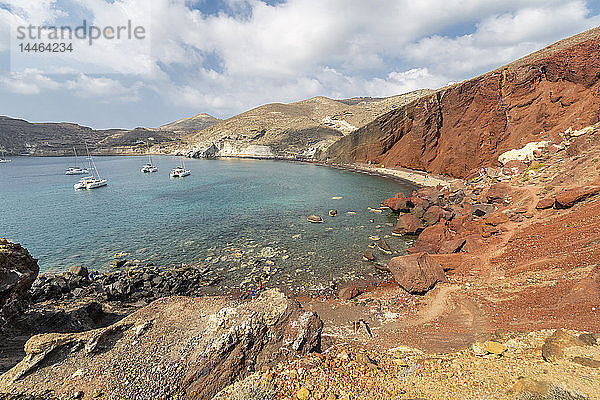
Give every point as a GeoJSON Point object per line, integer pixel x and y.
{"type": "Point", "coordinates": [223, 57]}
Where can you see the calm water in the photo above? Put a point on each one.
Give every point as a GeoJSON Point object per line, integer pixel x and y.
{"type": "Point", "coordinates": [228, 214]}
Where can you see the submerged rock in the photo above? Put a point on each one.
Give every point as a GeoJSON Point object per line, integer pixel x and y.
{"type": "Point", "coordinates": [383, 246]}
{"type": "Point", "coordinates": [368, 255]}
{"type": "Point", "coordinates": [315, 219]}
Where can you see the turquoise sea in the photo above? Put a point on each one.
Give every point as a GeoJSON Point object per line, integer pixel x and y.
{"type": "Point", "coordinates": [238, 216]}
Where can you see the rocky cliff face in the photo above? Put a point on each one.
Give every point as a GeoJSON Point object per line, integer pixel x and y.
{"type": "Point", "coordinates": [468, 125]}
{"type": "Point", "coordinates": [18, 270]}
{"type": "Point", "coordinates": [289, 130]}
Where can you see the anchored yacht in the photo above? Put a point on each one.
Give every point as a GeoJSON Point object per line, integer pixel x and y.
{"type": "Point", "coordinates": [94, 181]}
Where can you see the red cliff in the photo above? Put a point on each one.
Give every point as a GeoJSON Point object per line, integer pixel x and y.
{"type": "Point", "coordinates": [468, 125]}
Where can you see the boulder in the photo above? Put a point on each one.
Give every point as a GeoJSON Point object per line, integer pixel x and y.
{"type": "Point", "coordinates": [498, 192]}
{"type": "Point", "coordinates": [569, 197]}
{"type": "Point", "coordinates": [431, 238]}
{"type": "Point", "coordinates": [399, 203]}
{"type": "Point", "coordinates": [433, 215]}
{"type": "Point", "coordinates": [18, 271]}
{"type": "Point", "coordinates": [494, 347]}
{"type": "Point", "coordinates": [348, 293]}
{"type": "Point", "coordinates": [417, 273]}
{"type": "Point", "coordinates": [368, 255]}
{"type": "Point", "coordinates": [408, 224]}
{"type": "Point", "coordinates": [432, 195]}
{"type": "Point", "coordinates": [79, 270]}
{"type": "Point", "coordinates": [452, 246]}
{"type": "Point", "coordinates": [176, 347]}
{"type": "Point", "coordinates": [481, 210]}
{"type": "Point", "coordinates": [496, 218]}
{"type": "Point", "coordinates": [544, 204]}
{"type": "Point", "coordinates": [554, 347]}
{"type": "Point", "coordinates": [383, 246]}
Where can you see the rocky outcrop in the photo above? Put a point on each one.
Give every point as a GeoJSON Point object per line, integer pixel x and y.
{"type": "Point", "coordinates": [469, 125]}
{"type": "Point", "coordinates": [18, 271]}
{"type": "Point", "coordinates": [569, 197]}
{"type": "Point", "coordinates": [417, 273]}
{"type": "Point", "coordinates": [175, 347]}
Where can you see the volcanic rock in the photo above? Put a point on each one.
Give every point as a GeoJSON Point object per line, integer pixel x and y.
{"type": "Point", "coordinates": [18, 271]}
{"type": "Point", "coordinates": [417, 273]}
{"type": "Point", "coordinates": [496, 218]}
{"type": "Point", "coordinates": [544, 204]}
{"type": "Point", "coordinates": [554, 347]}
{"type": "Point", "coordinates": [498, 192]}
{"type": "Point", "coordinates": [399, 203]}
{"type": "Point", "coordinates": [451, 246]}
{"type": "Point", "coordinates": [383, 246]}
{"type": "Point", "coordinates": [368, 255]}
{"type": "Point", "coordinates": [466, 126]}
{"type": "Point", "coordinates": [431, 239]}
{"type": "Point", "coordinates": [176, 347]}
{"type": "Point", "coordinates": [315, 219]}
{"type": "Point", "coordinates": [433, 215]}
{"type": "Point", "coordinates": [569, 197]}
{"type": "Point", "coordinates": [348, 293]}
{"type": "Point", "coordinates": [408, 224]}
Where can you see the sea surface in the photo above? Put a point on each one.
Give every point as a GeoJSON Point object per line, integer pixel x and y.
{"type": "Point", "coordinates": [241, 217]}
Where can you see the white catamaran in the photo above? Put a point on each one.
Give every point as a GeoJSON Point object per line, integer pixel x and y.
{"type": "Point", "coordinates": [149, 167]}
{"type": "Point", "coordinates": [180, 172]}
{"type": "Point", "coordinates": [93, 181]}
{"type": "Point", "coordinates": [76, 170]}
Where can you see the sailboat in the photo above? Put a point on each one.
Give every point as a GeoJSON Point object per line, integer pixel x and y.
{"type": "Point", "coordinates": [76, 170]}
{"type": "Point", "coordinates": [149, 167]}
{"type": "Point", "coordinates": [4, 160]}
{"type": "Point", "coordinates": [180, 172]}
{"type": "Point", "coordinates": [94, 181]}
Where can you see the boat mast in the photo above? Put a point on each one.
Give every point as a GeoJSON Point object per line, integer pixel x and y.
{"type": "Point", "coordinates": [76, 162]}
{"type": "Point", "coordinates": [92, 163]}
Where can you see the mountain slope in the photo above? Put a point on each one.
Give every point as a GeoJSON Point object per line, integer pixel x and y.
{"type": "Point", "coordinates": [18, 136]}
{"type": "Point", "coordinates": [281, 129]}
{"type": "Point", "coordinates": [191, 124]}
{"type": "Point", "coordinates": [468, 125]}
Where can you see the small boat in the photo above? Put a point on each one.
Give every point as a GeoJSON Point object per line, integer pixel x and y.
{"type": "Point", "coordinates": [93, 181]}
{"type": "Point", "coordinates": [149, 167]}
{"type": "Point", "coordinates": [77, 170]}
{"type": "Point", "coordinates": [180, 172]}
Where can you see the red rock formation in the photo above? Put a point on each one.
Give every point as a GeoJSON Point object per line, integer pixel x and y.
{"type": "Point", "coordinates": [468, 125]}
{"type": "Point", "coordinates": [417, 273]}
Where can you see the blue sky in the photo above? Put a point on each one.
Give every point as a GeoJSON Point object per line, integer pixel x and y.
{"type": "Point", "coordinates": [223, 57]}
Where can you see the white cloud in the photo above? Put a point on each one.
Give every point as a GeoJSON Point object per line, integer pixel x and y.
{"type": "Point", "coordinates": [255, 53]}
{"type": "Point", "coordinates": [28, 82]}
{"type": "Point", "coordinates": [500, 39]}
{"type": "Point", "coordinates": [104, 88]}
